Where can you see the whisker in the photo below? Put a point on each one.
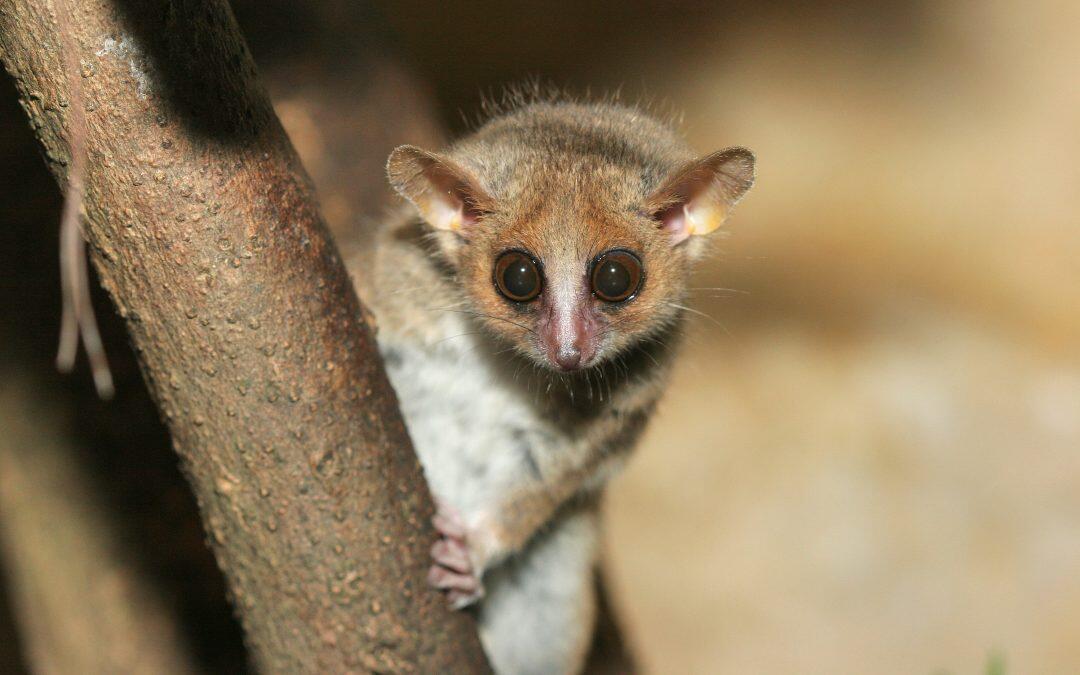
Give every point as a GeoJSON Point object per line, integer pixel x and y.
{"type": "Point", "coordinates": [651, 358]}
{"type": "Point", "coordinates": [692, 311]}
{"type": "Point", "coordinates": [655, 341]}
{"type": "Point", "coordinates": [699, 313]}
{"type": "Point", "coordinates": [721, 288]}
{"type": "Point", "coordinates": [520, 367]}
{"type": "Point", "coordinates": [472, 332]}
{"type": "Point", "coordinates": [489, 316]}
{"type": "Point", "coordinates": [450, 306]}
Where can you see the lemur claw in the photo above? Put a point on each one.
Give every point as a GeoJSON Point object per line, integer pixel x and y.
{"type": "Point", "coordinates": [453, 570]}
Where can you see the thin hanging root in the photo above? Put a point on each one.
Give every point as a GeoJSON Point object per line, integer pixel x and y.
{"type": "Point", "coordinates": [78, 314]}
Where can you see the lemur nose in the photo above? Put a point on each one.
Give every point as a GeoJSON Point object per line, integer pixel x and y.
{"type": "Point", "coordinates": [568, 357]}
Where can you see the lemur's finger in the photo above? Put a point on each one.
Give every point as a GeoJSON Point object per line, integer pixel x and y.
{"type": "Point", "coordinates": [446, 580]}
{"type": "Point", "coordinates": [451, 554]}
{"type": "Point", "coordinates": [459, 600]}
{"type": "Point", "coordinates": [448, 526]}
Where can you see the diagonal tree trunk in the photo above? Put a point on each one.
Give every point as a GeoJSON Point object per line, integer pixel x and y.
{"type": "Point", "coordinates": [203, 229]}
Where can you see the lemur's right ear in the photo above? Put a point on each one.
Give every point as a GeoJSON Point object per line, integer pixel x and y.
{"type": "Point", "coordinates": [445, 194]}
{"type": "Point", "coordinates": [697, 197]}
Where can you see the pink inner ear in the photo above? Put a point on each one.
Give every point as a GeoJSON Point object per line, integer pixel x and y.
{"type": "Point", "coordinates": [459, 198]}
{"type": "Point", "coordinates": [470, 212]}
{"type": "Point", "coordinates": [673, 220]}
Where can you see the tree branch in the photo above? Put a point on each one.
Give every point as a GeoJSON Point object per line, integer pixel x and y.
{"type": "Point", "coordinates": [203, 229]}
{"type": "Point", "coordinates": [84, 606]}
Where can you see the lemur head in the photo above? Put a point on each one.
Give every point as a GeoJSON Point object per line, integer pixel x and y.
{"type": "Point", "coordinates": [571, 228]}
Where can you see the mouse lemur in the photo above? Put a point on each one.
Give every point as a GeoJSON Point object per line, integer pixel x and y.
{"type": "Point", "coordinates": [528, 303]}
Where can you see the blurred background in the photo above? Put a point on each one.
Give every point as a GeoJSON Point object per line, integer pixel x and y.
{"type": "Point", "coordinates": [869, 460]}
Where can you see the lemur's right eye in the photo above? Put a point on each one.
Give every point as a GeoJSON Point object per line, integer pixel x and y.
{"type": "Point", "coordinates": [616, 275]}
{"type": "Point", "coordinates": [517, 276]}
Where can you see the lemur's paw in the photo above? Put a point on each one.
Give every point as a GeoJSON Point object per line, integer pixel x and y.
{"type": "Point", "coordinates": [453, 571]}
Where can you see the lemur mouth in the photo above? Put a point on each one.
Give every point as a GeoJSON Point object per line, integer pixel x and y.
{"type": "Point", "coordinates": [569, 363]}
{"type": "Point", "coordinates": [569, 357]}
{"type": "Point", "coordinates": [569, 346]}
{"type": "Point", "coordinates": [568, 360]}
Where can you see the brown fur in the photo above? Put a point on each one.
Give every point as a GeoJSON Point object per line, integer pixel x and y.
{"type": "Point", "coordinates": [565, 182]}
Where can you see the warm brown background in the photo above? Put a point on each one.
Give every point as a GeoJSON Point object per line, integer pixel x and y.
{"type": "Point", "coordinates": [869, 461]}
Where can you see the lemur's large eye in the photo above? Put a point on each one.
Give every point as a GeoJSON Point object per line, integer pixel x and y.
{"type": "Point", "coordinates": [616, 276]}
{"type": "Point", "coordinates": [517, 276]}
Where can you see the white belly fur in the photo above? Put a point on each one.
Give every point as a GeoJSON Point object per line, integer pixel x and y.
{"type": "Point", "coordinates": [473, 435]}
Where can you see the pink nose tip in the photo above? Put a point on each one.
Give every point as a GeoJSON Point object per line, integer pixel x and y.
{"type": "Point", "coordinates": [568, 358]}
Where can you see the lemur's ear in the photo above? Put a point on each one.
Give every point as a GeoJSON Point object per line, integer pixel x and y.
{"type": "Point", "coordinates": [697, 197]}
{"type": "Point", "coordinates": [445, 194]}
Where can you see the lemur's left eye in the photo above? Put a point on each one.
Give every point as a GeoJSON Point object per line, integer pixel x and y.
{"type": "Point", "coordinates": [517, 276]}
{"type": "Point", "coordinates": [616, 276]}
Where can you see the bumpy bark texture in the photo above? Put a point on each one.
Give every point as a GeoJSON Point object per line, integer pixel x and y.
{"type": "Point", "coordinates": [203, 229]}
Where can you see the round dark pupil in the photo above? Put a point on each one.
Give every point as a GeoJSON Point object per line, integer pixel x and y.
{"type": "Point", "coordinates": [519, 278]}
{"type": "Point", "coordinates": [612, 279]}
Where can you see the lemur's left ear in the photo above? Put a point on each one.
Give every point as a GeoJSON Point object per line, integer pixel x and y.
{"type": "Point", "coordinates": [445, 194]}
{"type": "Point", "coordinates": [697, 197]}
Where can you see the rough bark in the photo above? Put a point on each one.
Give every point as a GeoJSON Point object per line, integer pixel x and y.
{"type": "Point", "coordinates": [81, 601]}
{"type": "Point", "coordinates": [203, 229]}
